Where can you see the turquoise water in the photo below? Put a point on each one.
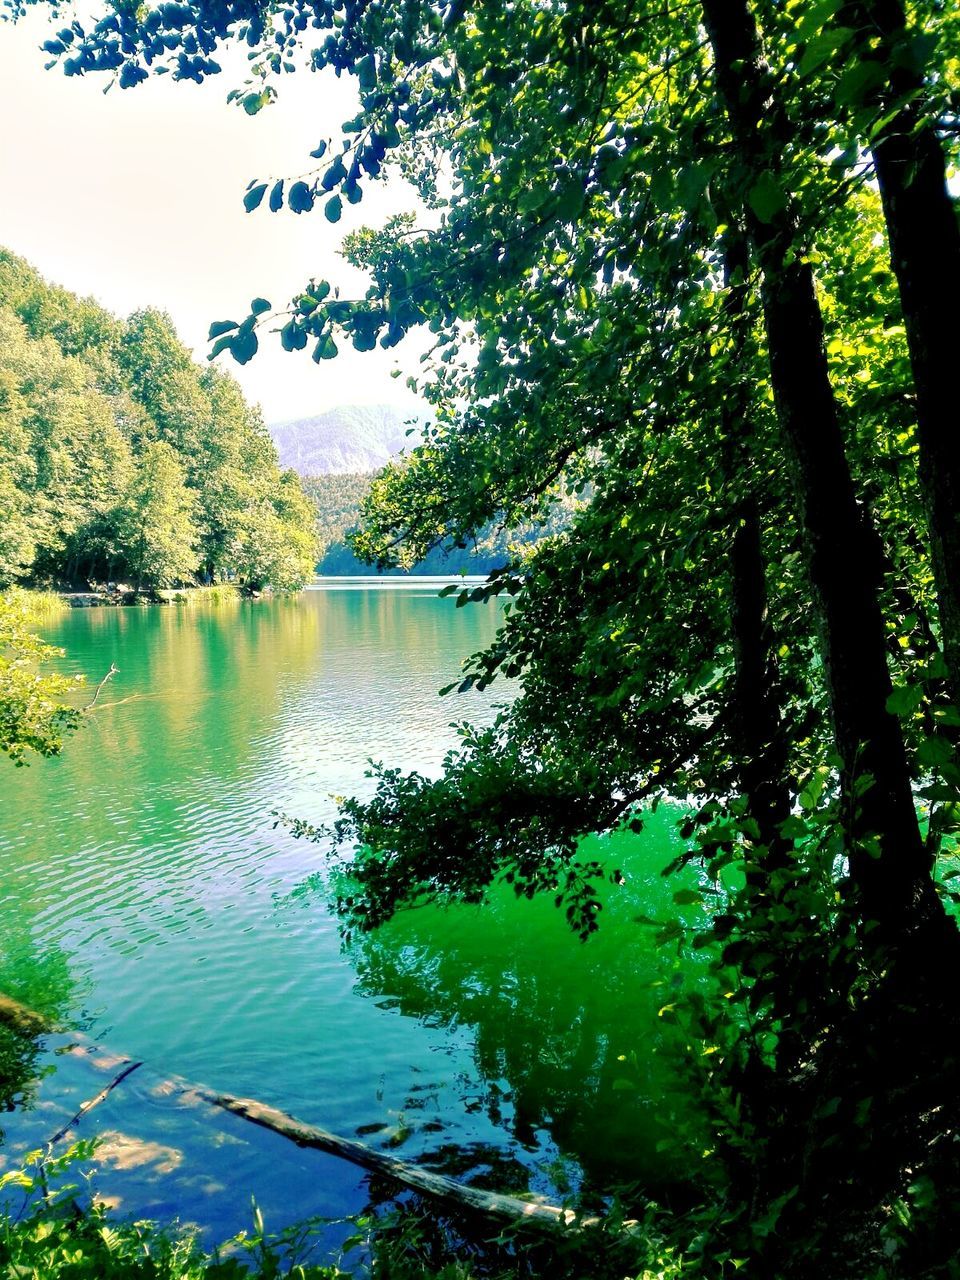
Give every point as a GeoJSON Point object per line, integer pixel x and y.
{"type": "Point", "coordinates": [145, 889]}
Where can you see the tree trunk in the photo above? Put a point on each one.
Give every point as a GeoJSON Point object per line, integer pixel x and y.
{"type": "Point", "coordinates": [758, 744]}
{"type": "Point", "coordinates": [889, 865]}
{"type": "Point", "coordinates": [141, 556]}
{"type": "Point", "coordinates": [925, 250]}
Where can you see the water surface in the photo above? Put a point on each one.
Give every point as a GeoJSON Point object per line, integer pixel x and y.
{"type": "Point", "coordinates": [146, 866]}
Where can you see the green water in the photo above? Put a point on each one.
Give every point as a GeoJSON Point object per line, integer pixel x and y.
{"type": "Point", "coordinates": [145, 890]}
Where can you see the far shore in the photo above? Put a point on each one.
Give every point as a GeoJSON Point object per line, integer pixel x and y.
{"type": "Point", "coordinates": [46, 600]}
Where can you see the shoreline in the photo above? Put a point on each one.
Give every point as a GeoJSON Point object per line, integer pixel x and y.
{"type": "Point", "coordinates": [44, 601]}
{"type": "Point", "coordinates": [220, 593]}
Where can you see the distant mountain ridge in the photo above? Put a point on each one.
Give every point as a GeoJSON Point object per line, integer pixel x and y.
{"type": "Point", "coordinates": [350, 440]}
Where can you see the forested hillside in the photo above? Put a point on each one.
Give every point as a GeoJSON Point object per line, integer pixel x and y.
{"type": "Point", "coordinates": [339, 498]}
{"type": "Point", "coordinates": [121, 459]}
{"type": "Point", "coordinates": [348, 440]}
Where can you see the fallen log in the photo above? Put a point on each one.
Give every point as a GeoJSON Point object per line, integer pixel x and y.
{"type": "Point", "coordinates": [26, 1021]}
{"type": "Point", "coordinates": [491, 1204]}
{"type": "Point", "coordinates": [438, 1186]}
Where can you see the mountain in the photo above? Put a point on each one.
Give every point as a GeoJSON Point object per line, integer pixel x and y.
{"type": "Point", "coordinates": [344, 441]}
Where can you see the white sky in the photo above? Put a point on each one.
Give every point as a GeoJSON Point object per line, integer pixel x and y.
{"type": "Point", "coordinates": [135, 197]}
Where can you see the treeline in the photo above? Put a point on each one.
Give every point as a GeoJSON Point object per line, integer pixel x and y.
{"type": "Point", "coordinates": [338, 500]}
{"type": "Point", "coordinates": [121, 459]}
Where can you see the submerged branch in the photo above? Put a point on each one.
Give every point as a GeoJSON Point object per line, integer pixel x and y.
{"type": "Point", "coordinates": [94, 1101]}
{"type": "Point", "coordinates": [507, 1209]}
{"type": "Point", "coordinates": [109, 676]}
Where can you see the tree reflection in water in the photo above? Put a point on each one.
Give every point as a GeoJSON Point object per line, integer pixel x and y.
{"type": "Point", "coordinates": [567, 1037]}
{"type": "Point", "coordinates": [41, 980]}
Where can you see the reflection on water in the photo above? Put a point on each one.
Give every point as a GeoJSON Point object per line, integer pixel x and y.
{"type": "Point", "coordinates": [148, 857]}
{"type": "Point", "coordinates": [41, 981]}
{"type": "Point", "coordinates": [566, 1036]}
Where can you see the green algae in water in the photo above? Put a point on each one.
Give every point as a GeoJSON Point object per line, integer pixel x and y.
{"type": "Point", "coordinates": [567, 1034]}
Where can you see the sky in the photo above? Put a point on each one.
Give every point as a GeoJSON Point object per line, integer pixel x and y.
{"type": "Point", "coordinates": [135, 197]}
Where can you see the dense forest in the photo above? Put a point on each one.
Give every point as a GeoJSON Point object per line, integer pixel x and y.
{"type": "Point", "coordinates": [339, 500]}
{"type": "Point", "coordinates": [122, 460]}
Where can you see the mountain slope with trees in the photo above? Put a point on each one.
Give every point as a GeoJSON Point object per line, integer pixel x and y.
{"type": "Point", "coordinates": [348, 440]}
{"type": "Point", "coordinates": [123, 459]}
{"type": "Point", "coordinates": [339, 500]}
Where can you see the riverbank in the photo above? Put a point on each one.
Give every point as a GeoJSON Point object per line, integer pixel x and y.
{"type": "Point", "coordinates": [41, 603]}
{"type": "Point", "coordinates": [221, 593]}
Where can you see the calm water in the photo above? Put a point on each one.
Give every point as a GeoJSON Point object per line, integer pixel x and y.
{"type": "Point", "coordinates": [144, 887]}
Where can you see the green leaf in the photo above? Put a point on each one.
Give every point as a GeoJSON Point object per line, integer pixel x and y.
{"type": "Point", "coordinates": [258, 306]}
{"type": "Point", "coordinates": [766, 198]}
{"type": "Point", "coordinates": [823, 48]}
{"type": "Point", "coordinates": [254, 197]}
{"type": "Point", "coordinates": [326, 348]}
{"type": "Point", "coordinates": [334, 175]}
{"type": "Point", "coordinates": [333, 209]}
{"type": "Point", "coordinates": [366, 73]}
{"type": "Point", "coordinates": [319, 151]}
{"type": "Point", "coordinates": [687, 898]}
{"type": "Point", "coordinates": [817, 16]}
{"type": "Point", "coordinates": [276, 197]}
{"type": "Point", "coordinates": [904, 700]}
{"type": "Point", "coordinates": [933, 753]}
{"type": "Point", "coordinates": [692, 182]}
{"type": "Point", "coordinates": [221, 344]}
{"type": "Point", "coordinates": [300, 198]}
{"type": "Point", "coordinates": [254, 102]}
{"type": "Point", "coordinates": [857, 82]}
{"type": "Point", "coordinates": [220, 326]}
{"type": "Point", "coordinates": [243, 347]}
{"type": "Point", "coordinates": [293, 337]}
{"type": "Point", "coordinates": [532, 199]}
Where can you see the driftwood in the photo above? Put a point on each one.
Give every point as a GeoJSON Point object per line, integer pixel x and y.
{"type": "Point", "coordinates": [109, 676]}
{"type": "Point", "coordinates": [507, 1209]}
{"type": "Point", "coordinates": [94, 1101]}
{"type": "Point", "coordinates": [27, 1021]}
{"type": "Point", "coordinates": [438, 1186]}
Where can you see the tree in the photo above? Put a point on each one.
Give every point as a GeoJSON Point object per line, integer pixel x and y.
{"type": "Point", "coordinates": [34, 716]}
{"type": "Point", "coordinates": [17, 537]}
{"type": "Point", "coordinates": [82, 397]}
{"type": "Point", "coordinates": [156, 519]}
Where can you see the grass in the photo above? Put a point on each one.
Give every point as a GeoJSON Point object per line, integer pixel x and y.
{"type": "Point", "coordinates": [54, 1238]}
{"type": "Point", "coordinates": [63, 1233]}
{"type": "Point", "coordinates": [37, 605]}
{"type": "Point", "coordinates": [221, 593]}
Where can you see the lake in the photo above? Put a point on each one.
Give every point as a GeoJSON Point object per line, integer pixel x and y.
{"type": "Point", "coordinates": [147, 894]}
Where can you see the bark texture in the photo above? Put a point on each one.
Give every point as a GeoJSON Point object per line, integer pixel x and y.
{"type": "Point", "coordinates": [889, 865]}
{"type": "Point", "coordinates": [924, 237]}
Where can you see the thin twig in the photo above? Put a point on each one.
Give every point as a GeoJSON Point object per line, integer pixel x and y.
{"type": "Point", "coordinates": [94, 1102]}
{"type": "Point", "coordinates": [109, 676]}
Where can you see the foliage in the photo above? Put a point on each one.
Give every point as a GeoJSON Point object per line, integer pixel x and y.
{"type": "Point", "coordinates": [63, 1232]}
{"type": "Point", "coordinates": [155, 520]}
{"type": "Point", "coordinates": [121, 459]}
{"type": "Point", "coordinates": [54, 1237]}
{"type": "Point", "coordinates": [339, 500]}
{"type": "Point", "coordinates": [694, 261]}
{"type": "Point", "coordinates": [42, 981]}
{"type": "Point", "coordinates": [39, 606]}
{"type": "Point", "coordinates": [34, 711]}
